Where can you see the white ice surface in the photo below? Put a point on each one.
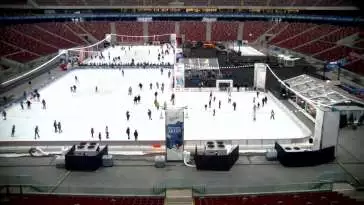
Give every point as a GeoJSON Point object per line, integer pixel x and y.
{"type": "Point", "coordinates": [80, 111]}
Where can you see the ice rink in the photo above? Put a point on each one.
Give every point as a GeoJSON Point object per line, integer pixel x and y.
{"type": "Point", "coordinates": [80, 111]}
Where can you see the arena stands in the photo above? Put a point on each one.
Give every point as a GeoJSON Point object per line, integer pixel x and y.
{"type": "Point", "coordinates": [281, 2]}
{"type": "Point", "coordinates": [224, 31]}
{"type": "Point", "coordinates": [129, 28]}
{"type": "Point", "coordinates": [320, 198]}
{"type": "Point", "coordinates": [61, 30]}
{"type": "Point", "coordinates": [291, 30]}
{"type": "Point", "coordinates": [314, 47]}
{"type": "Point", "coordinates": [96, 29]}
{"type": "Point", "coordinates": [22, 56]}
{"type": "Point", "coordinates": [336, 53]}
{"type": "Point", "coordinates": [254, 29]}
{"type": "Point", "coordinates": [82, 200]}
{"type": "Point", "coordinates": [341, 33]}
{"type": "Point", "coordinates": [193, 31]}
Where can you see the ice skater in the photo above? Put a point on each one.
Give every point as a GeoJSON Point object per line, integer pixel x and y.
{"type": "Point", "coordinates": [36, 132]}
{"type": "Point", "coordinates": [44, 104]}
{"type": "Point", "coordinates": [254, 100]}
{"type": "Point", "coordinates": [4, 115]}
{"type": "Point", "coordinates": [161, 71]}
{"type": "Point", "coordinates": [127, 115]}
{"type": "Point", "coordinates": [214, 98]}
{"type": "Point", "coordinates": [162, 87]}
{"type": "Point", "coordinates": [205, 107]}
{"type": "Point", "coordinates": [140, 86]}
{"type": "Point", "coordinates": [213, 112]}
{"type": "Point", "coordinates": [135, 100]}
{"type": "Point", "coordinates": [219, 104]}
{"type": "Point", "coordinates": [128, 132]}
{"type": "Point", "coordinates": [136, 135]}
{"type": "Point", "coordinates": [59, 126]}
{"type": "Point", "coordinates": [55, 126]}
{"type": "Point", "coordinates": [257, 94]}
{"type": "Point", "coordinates": [157, 84]}
{"type": "Point", "coordinates": [254, 112]}
{"type": "Point", "coordinates": [229, 99]}
{"type": "Point", "coordinates": [155, 95]}
{"type": "Point", "coordinates": [38, 96]}
{"type": "Point", "coordinates": [210, 103]}
{"type": "Point", "coordinates": [149, 114]}
{"type": "Point", "coordinates": [169, 74]}
{"type": "Point", "coordinates": [107, 132]}
{"type": "Point", "coordinates": [130, 91]}
{"type": "Point", "coordinates": [74, 88]}
{"type": "Point", "coordinates": [263, 99]}
{"type": "Point", "coordinates": [96, 89]}
{"type": "Point", "coordinates": [150, 86]}
{"type": "Point", "coordinates": [138, 99]}
{"type": "Point", "coordinates": [22, 105]}
{"type": "Point", "coordinates": [122, 72]}
{"type": "Point", "coordinates": [157, 105]}
{"type": "Point", "coordinates": [172, 98]}
{"type": "Point", "coordinates": [13, 131]}
{"type": "Point", "coordinates": [76, 79]}
{"type": "Point", "coordinates": [100, 136]}
{"type": "Point", "coordinates": [92, 132]}
{"type": "Point", "coordinates": [272, 115]}
{"type": "Point", "coordinates": [29, 104]}
{"type": "Point", "coordinates": [234, 106]}
{"type": "Point", "coordinates": [210, 95]}
{"type": "Point", "coordinates": [258, 105]}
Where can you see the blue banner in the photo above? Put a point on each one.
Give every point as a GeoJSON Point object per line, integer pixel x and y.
{"type": "Point", "coordinates": [174, 134]}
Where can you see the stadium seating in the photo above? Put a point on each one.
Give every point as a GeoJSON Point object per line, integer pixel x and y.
{"type": "Point", "coordinates": [281, 2]}
{"type": "Point", "coordinates": [6, 49]}
{"type": "Point", "coordinates": [130, 29]}
{"type": "Point", "coordinates": [226, 2]}
{"type": "Point", "coordinates": [224, 31]}
{"type": "Point", "coordinates": [25, 42]}
{"type": "Point", "coordinates": [83, 200]}
{"type": "Point", "coordinates": [314, 47]}
{"type": "Point", "coordinates": [193, 31]}
{"type": "Point", "coordinates": [127, 2]}
{"type": "Point", "coordinates": [22, 56]}
{"type": "Point", "coordinates": [316, 33]}
{"type": "Point", "coordinates": [291, 30]}
{"type": "Point", "coordinates": [62, 30]}
{"type": "Point", "coordinates": [254, 29]}
{"type": "Point", "coordinates": [194, 2]}
{"type": "Point", "coordinates": [44, 36]}
{"type": "Point", "coordinates": [343, 32]}
{"type": "Point", "coordinates": [336, 53]}
{"type": "Point", "coordinates": [356, 66]}
{"type": "Point", "coordinates": [96, 29]}
{"type": "Point", "coordinates": [319, 198]}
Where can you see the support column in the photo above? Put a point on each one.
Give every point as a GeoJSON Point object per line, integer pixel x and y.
{"type": "Point", "coordinates": [240, 31]}
{"type": "Point", "coordinates": [208, 31]}
{"type": "Point", "coordinates": [145, 31]}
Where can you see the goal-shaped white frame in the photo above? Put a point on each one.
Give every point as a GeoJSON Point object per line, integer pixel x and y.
{"type": "Point", "coordinates": [224, 81]}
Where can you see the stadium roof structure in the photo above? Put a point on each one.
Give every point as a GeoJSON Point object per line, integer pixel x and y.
{"type": "Point", "coordinates": [324, 92]}
{"type": "Point", "coordinates": [200, 63]}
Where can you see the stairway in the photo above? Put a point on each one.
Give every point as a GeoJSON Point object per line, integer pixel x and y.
{"type": "Point", "coordinates": [178, 197]}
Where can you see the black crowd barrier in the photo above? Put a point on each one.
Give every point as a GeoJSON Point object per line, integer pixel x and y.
{"type": "Point", "coordinates": [84, 162]}
{"type": "Point", "coordinates": [304, 158]}
{"type": "Point", "coordinates": [216, 162]}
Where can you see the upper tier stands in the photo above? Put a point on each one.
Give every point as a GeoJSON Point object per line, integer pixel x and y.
{"type": "Point", "coordinates": [224, 31]}
{"type": "Point", "coordinates": [186, 2]}
{"type": "Point", "coordinates": [26, 42]}
{"type": "Point", "coordinates": [319, 198]}
{"type": "Point", "coordinates": [82, 200]}
{"type": "Point", "coordinates": [193, 31]}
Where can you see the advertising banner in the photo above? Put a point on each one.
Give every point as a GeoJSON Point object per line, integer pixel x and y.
{"type": "Point", "coordinates": [174, 134]}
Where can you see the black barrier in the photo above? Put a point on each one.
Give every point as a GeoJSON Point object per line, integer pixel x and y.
{"type": "Point", "coordinates": [216, 162]}
{"type": "Point", "coordinates": [84, 162]}
{"type": "Point", "coordinates": [302, 158]}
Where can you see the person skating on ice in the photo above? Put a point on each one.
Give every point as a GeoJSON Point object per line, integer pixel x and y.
{"type": "Point", "coordinates": [76, 79]}
{"type": "Point", "coordinates": [130, 91]}
{"type": "Point", "coordinates": [263, 99]}
{"type": "Point", "coordinates": [257, 94]}
{"type": "Point", "coordinates": [162, 87]}
{"type": "Point", "coordinates": [210, 95]}
{"type": "Point", "coordinates": [128, 132]}
{"type": "Point", "coordinates": [205, 107]}
{"type": "Point", "coordinates": [135, 135]}
{"type": "Point", "coordinates": [213, 112]}
{"type": "Point", "coordinates": [100, 136]}
{"type": "Point", "coordinates": [127, 115]}
{"type": "Point", "coordinates": [149, 114]}
{"type": "Point", "coordinates": [38, 96]}
{"type": "Point", "coordinates": [229, 99]}
{"type": "Point", "coordinates": [214, 98]}
{"type": "Point", "coordinates": [44, 104]}
{"type": "Point", "coordinates": [157, 84]}
{"type": "Point", "coordinates": [36, 132]}
{"type": "Point", "coordinates": [74, 88]}
{"type": "Point", "coordinates": [254, 100]}
{"type": "Point", "coordinates": [258, 105]}
{"type": "Point", "coordinates": [122, 72]}
{"type": "Point", "coordinates": [169, 74]}
{"type": "Point", "coordinates": [161, 71]}
{"type": "Point", "coordinates": [219, 104]}
{"type": "Point", "coordinates": [22, 105]}
{"type": "Point", "coordinates": [92, 132]}
{"type": "Point", "coordinates": [96, 89]}
{"type": "Point", "coordinates": [155, 95]}
{"type": "Point", "coordinates": [13, 131]}
{"type": "Point", "coordinates": [234, 106]}
{"type": "Point", "coordinates": [107, 132]}
{"type": "Point", "coordinates": [140, 86]}
{"type": "Point", "coordinates": [4, 114]}
{"type": "Point", "coordinates": [29, 104]}
{"type": "Point", "coordinates": [59, 126]}
{"type": "Point", "coordinates": [272, 115]}
{"type": "Point", "coordinates": [55, 126]}
{"type": "Point", "coordinates": [150, 86]}
{"type": "Point", "coordinates": [172, 98]}
{"type": "Point", "coordinates": [210, 103]}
